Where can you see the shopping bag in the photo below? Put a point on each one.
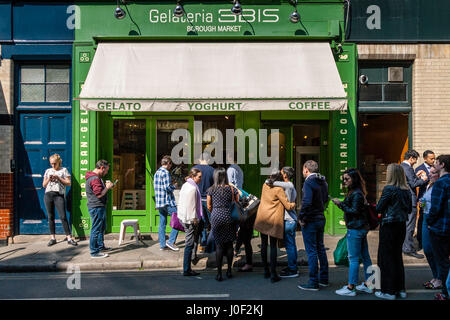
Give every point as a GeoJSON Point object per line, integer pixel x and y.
{"type": "Point", "coordinates": [175, 223]}
{"type": "Point", "coordinates": [341, 253]}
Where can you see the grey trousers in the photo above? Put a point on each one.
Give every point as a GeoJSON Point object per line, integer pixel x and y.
{"type": "Point", "coordinates": [408, 244]}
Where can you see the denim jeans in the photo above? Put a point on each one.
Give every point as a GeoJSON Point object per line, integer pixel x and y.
{"type": "Point", "coordinates": [315, 249]}
{"type": "Point", "coordinates": [428, 250]}
{"type": "Point", "coordinates": [163, 213]}
{"type": "Point", "coordinates": [357, 247]}
{"type": "Point", "coordinates": [289, 241]}
{"type": "Point", "coordinates": [448, 281]}
{"type": "Point", "coordinates": [441, 252]}
{"type": "Point", "coordinates": [206, 218]}
{"type": "Point", "coordinates": [98, 226]}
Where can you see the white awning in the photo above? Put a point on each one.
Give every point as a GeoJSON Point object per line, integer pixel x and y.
{"type": "Point", "coordinates": [213, 77]}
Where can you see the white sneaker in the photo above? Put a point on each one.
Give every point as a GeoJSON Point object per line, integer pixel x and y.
{"type": "Point", "coordinates": [99, 255]}
{"type": "Point", "coordinates": [386, 296]}
{"type": "Point", "coordinates": [402, 294]}
{"type": "Point", "coordinates": [345, 291]}
{"type": "Point", "coordinates": [362, 287]}
{"type": "Point", "coordinates": [172, 246]}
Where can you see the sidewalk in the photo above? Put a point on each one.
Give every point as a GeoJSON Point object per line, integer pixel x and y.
{"type": "Point", "coordinates": [29, 253]}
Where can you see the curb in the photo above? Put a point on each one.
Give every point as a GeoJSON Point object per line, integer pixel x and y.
{"type": "Point", "coordinates": [106, 266]}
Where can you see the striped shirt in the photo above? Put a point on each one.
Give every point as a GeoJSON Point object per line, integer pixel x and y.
{"type": "Point", "coordinates": [163, 189]}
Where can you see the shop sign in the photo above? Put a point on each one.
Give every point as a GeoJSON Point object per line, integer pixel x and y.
{"type": "Point", "coordinates": [84, 150]}
{"type": "Point", "coordinates": [233, 105]}
{"type": "Point", "coordinates": [215, 21]}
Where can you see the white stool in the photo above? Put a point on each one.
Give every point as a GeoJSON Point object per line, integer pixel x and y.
{"type": "Point", "coordinates": [129, 223]}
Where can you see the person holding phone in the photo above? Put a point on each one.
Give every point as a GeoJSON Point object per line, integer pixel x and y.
{"type": "Point", "coordinates": [55, 181]}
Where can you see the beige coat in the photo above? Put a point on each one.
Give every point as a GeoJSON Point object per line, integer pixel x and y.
{"type": "Point", "coordinates": [270, 215]}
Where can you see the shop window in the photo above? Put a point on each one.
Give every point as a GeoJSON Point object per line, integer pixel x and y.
{"type": "Point", "coordinates": [371, 92]}
{"type": "Point", "coordinates": [307, 135]}
{"type": "Point", "coordinates": [129, 164]}
{"type": "Point", "coordinates": [395, 92]}
{"type": "Point", "coordinates": [387, 83]}
{"type": "Point", "coordinates": [208, 135]}
{"type": "Point", "coordinates": [44, 83]}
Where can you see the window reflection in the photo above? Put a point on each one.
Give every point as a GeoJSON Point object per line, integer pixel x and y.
{"type": "Point", "coordinates": [129, 164]}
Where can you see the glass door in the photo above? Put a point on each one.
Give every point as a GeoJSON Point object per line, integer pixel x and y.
{"type": "Point", "coordinates": [171, 136]}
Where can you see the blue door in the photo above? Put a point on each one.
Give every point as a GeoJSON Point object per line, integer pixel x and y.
{"type": "Point", "coordinates": [40, 134]}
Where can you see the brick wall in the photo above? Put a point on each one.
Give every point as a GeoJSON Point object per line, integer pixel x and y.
{"type": "Point", "coordinates": [431, 108]}
{"type": "Point", "coordinates": [6, 205]}
{"type": "Point", "coordinates": [431, 90]}
{"type": "Point", "coordinates": [6, 149]}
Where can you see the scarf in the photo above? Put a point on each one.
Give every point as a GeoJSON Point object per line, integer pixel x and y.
{"type": "Point", "coordinates": [198, 207]}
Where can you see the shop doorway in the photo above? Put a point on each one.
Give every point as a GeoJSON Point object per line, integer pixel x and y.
{"type": "Point", "coordinates": [303, 154]}
{"type": "Point", "coordinates": [383, 139]}
{"type": "Point", "coordinates": [306, 140]}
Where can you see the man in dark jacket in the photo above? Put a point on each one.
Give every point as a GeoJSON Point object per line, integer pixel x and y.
{"type": "Point", "coordinates": [96, 192]}
{"type": "Point", "coordinates": [312, 220]}
{"type": "Point", "coordinates": [411, 157]}
{"type": "Point", "coordinates": [428, 158]}
{"type": "Point", "coordinates": [438, 221]}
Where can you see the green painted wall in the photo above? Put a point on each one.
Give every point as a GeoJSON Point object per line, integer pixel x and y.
{"type": "Point", "coordinates": [92, 133]}
{"type": "Point", "coordinates": [210, 19]}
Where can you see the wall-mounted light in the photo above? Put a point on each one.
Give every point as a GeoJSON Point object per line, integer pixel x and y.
{"type": "Point", "coordinates": [119, 13]}
{"type": "Point", "coordinates": [179, 10]}
{"type": "Point", "coordinates": [295, 16]}
{"type": "Point", "coordinates": [236, 9]}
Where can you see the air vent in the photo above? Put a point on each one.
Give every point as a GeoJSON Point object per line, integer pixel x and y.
{"type": "Point", "coordinates": [395, 74]}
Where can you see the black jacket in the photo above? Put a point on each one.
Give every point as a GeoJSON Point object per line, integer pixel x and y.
{"type": "Point", "coordinates": [395, 204]}
{"type": "Point", "coordinates": [355, 215]}
{"type": "Point", "coordinates": [423, 188]}
{"type": "Point", "coordinates": [315, 196]}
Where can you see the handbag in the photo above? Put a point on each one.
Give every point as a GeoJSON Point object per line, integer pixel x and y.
{"type": "Point", "coordinates": [175, 222]}
{"type": "Point", "coordinates": [236, 212]}
{"type": "Point", "coordinates": [340, 254]}
{"type": "Point", "coordinates": [372, 216]}
{"type": "Point", "coordinates": [250, 204]}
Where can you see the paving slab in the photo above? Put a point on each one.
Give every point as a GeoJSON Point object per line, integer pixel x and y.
{"type": "Point", "coordinates": [30, 253]}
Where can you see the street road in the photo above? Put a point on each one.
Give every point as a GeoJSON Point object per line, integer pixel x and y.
{"type": "Point", "coordinates": [171, 284]}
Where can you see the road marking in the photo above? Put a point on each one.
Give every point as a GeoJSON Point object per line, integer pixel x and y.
{"type": "Point", "coordinates": [156, 297]}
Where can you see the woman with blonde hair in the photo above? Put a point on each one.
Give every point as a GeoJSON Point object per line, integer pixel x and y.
{"type": "Point", "coordinates": [394, 205]}
{"type": "Point", "coordinates": [55, 181]}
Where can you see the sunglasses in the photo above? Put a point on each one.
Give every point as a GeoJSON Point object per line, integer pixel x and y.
{"type": "Point", "coordinates": [345, 179]}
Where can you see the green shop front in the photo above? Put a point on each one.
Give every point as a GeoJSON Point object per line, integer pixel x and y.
{"type": "Point", "coordinates": [153, 84]}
